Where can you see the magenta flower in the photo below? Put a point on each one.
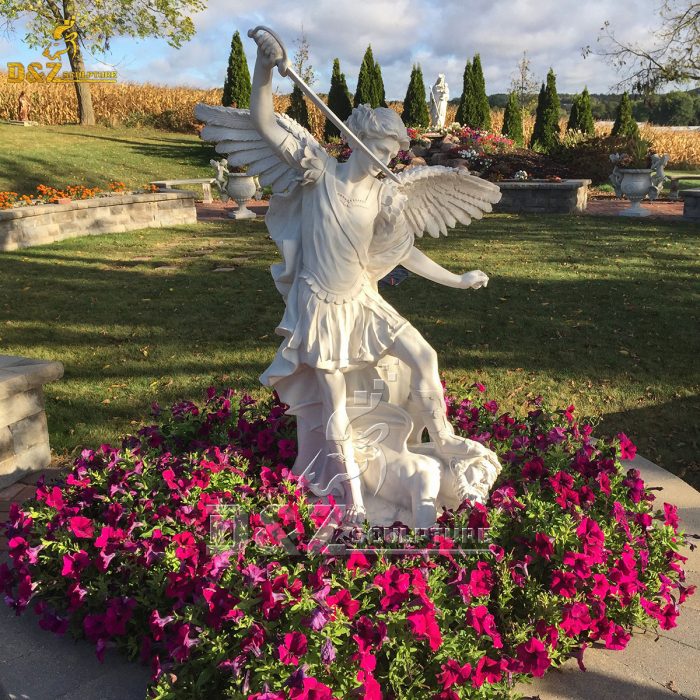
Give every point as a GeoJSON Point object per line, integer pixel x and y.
{"type": "Point", "coordinates": [311, 690]}
{"type": "Point", "coordinates": [487, 670]}
{"type": "Point", "coordinates": [481, 579]}
{"type": "Point", "coordinates": [671, 516]}
{"type": "Point", "coordinates": [563, 583]}
{"type": "Point", "coordinates": [543, 545]}
{"type": "Point", "coordinates": [179, 646]}
{"type": "Point", "coordinates": [395, 585]}
{"type": "Point", "coordinates": [425, 626]}
{"type": "Point", "coordinates": [533, 656]}
{"type": "Point", "coordinates": [454, 674]}
{"type": "Point", "coordinates": [484, 622]}
{"type": "Point", "coordinates": [81, 527]}
{"type": "Point", "coordinates": [294, 646]}
{"type": "Point", "coordinates": [73, 564]}
{"type": "Point", "coordinates": [627, 447]}
{"type": "Point", "coordinates": [368, 635]}
{"type": "Point", "coordinates": [344, 600]}
{"type": "Point", "coordinates": [575, 619]}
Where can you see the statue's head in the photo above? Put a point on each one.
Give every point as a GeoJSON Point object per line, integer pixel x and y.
{"type": "Point", "coordinates": [380, 129]}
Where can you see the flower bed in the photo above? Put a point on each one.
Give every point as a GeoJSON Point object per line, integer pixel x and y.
{"type": "Point", "coordinates": [119, 553]}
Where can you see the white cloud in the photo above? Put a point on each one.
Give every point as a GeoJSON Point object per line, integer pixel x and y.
{"type": "Point", "coordinates": [439, 34]}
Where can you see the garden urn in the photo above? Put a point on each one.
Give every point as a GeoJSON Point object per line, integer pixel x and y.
{"type": "Point", "coordinates": [241, 187]}
{"type": "Point", "coordinates": [635, 184]}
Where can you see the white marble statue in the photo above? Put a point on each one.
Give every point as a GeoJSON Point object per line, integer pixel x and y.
{"type": "Point", "coordinates": [439, 97]}
{"type": "Point", "coordinates": [361, 380]}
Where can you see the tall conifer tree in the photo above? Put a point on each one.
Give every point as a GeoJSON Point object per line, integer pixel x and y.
{"type": "Point", "coordinates": [625, 124]}
{"type": "Point", "coordinates": [546, 131]}
{"type": "Point", "coordinates": [513, 120]}
{"type": "Point", "coordinates": [415, 108]}
{"type": "Point", "coordinates": [482, 110]}
{"type": "Point", "coordinates": [237, 83]}
{"type": "Point", "coordinates": [465, 111]}
{"type": "Point", "coordinates": [339, 100]}
{"type": "Point", "coordinates": [365, 92]}
{"type": "Point", "coordinates": [379, 93]}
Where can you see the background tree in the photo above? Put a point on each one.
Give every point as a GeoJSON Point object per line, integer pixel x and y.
{"type": "Point", "coordinates": [237, 83]}
{"type": "Point", "coordinates": [523, 84]}
{"type": "Point", "coordinates": [546, 131]}
{"type": "Point", "coordinates": [298, 110]}
{"type": "Point", "coordinates": [465, 111]}
{"type": "Point", "coordinates": [379, 93]}
{"type": "Point", "coordinates": [513, 120]}
{"type": "Point", "coordinates": [415, 108]}
{"type": "Point", "coordinates": [366, 92]}
{"type": "Point", "coordinates": [482, 111]}
{"type": "Point", "coordinates": [625, 125]}
{"type": "Point", "coordinates": [581, 116]}
{"type": "Point", "coordinates": [96, 25]}
{"type": "Point", "coordinates": [339, 100]}
{"type": "Point", "coordinates": [672, 55]}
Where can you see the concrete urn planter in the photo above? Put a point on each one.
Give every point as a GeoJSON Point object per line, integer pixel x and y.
{"type": "Point", "coordinates": [635, 184]}
{"type": "Point", "coordinates": [241, 187]}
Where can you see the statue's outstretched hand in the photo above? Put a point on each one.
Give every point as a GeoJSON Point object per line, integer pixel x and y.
{"type": "Point", "coordinates": [474, 280]}
{"type": "Point", "coordinates": [270, 53]}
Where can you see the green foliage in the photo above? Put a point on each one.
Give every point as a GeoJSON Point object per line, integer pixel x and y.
{"type": "Point", "coordinates": [366, 91]}
{"type": "Point", "coordinates": [379, 93]}
{"type": "Point", "coordinates": [581, 117]}
{"type": "Point", "coordinates": [546, 131]}
{"type": "Point", "coordinates": [466, 110]}
{"type": "Point", "coordinates": [513, 120]}
{"type": "Point", "coordinates": [98, 24]}
{"type": "Point", "coordinates": [339, 101]}
{"type": "Point", "coordinates": [237, 83]}
{"type": "Point", "coordinates": [415, 108]}
{"type": "Point", "coordinates": [625, 125]}
{"type": "Point", "coordinates": [298, 110]}
{"type": "Point", "coordinates": [482, 111]}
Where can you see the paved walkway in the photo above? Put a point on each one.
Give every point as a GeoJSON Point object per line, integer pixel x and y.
{"type": "Point", "coordinates": [37, 665]}
{"type": "Point", "coordinates": [665, 209]}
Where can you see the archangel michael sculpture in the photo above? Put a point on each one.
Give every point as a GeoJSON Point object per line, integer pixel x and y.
{"type": "Point", "coordinates": [362, 381]}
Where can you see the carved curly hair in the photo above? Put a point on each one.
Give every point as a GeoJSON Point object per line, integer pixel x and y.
{"type": "Point", "coordinates": [378, 123]}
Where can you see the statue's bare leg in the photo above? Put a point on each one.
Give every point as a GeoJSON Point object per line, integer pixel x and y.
{"type": "Point", "coordinates": [339, 439]}
{"type": "Point", "coordinates": [426, 398]}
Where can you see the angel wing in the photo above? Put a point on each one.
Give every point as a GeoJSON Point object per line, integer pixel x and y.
{"type": "Point", "coordinates": [235, 136]}
{"type": "Point", "coordinates": [437, 198]}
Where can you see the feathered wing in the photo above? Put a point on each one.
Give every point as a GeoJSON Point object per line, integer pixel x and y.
{"type": "Point", "coordinates": [438, 198]}
{"type": "Point", "coordinates": [236, 137]}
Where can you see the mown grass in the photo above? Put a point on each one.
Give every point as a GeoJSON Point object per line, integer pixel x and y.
{"type": "Point", "coordinates": [92, 156]}
{"type": "Point", "coordinates": [599, 312]}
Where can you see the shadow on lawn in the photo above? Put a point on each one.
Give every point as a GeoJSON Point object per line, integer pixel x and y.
{"type": "Point", "coordinates": [199, 326]}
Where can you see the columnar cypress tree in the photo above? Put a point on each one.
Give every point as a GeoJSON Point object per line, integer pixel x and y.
{"type": "Point", "coordinates": [547, 120]}
{"type": "Point", "coordinates": [482, 110]}
{"type": "Point", "coordinates": [465, 111]}
{"type": "Point", "coordinates": [513, 120]}
{"type": "Point", "coordinates": [625, 125]}
{"type": "Point", "coordinates": [581, 116]}
{"type": "Point", "coordinates": [298, 110]}
{"type": "Point", "coordinates": [415, 108]}
{"type": "Point", "coordinates": [237, 83]}
{"type": "Point", "coordinates": [339, 100]}
{"type": "Point", "coordinates": [572, 124]}
{"type": "Point", "coordinates": [379, 93]}
{"type": "Point", "coordinates": [365, 92]}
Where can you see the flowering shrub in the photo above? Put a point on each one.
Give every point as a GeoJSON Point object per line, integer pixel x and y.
{"type": "Point", "coordinates": [45, 194]}
{"type": "Point", "coordinates": [484, 142]}
{"type": "Point", "coordinates": [122, 553]}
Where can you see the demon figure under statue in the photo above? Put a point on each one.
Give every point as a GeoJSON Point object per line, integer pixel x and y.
{"type": "Point", "coordinates": [361, 380]}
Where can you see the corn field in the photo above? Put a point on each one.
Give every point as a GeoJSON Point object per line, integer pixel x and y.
{"type": "Point", "coordinates": [171, 108]}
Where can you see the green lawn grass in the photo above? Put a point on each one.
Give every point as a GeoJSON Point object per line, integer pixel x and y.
{"type": "Point", "coordinates": [598, 312]}
{"type": "Point", "coordinates": [92, 156]}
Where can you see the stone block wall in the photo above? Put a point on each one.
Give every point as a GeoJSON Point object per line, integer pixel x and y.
{"type": "Point", "coordinates": [24, 437]}
{"type": "Point", "coordinates": [691, 204]}
{"type": "Point", "coordinates": [543, 197]}
{"type": "Point", "coordinates": [46, 223]}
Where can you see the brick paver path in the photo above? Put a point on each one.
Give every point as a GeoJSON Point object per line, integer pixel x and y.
{"type": "Point", "coordinates": [665, 209]}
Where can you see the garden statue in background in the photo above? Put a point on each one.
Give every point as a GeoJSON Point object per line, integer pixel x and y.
{"type": "Point", "coordinates": [439, 97]}
{"type": "Point", "coordinates": [658, 177]}
{"type": "Point", "coordinates": [239, 187]}
{"type": "Point", "coordinates": [362, 382]}
{"type": "Point", "coordinates": [23, 107]}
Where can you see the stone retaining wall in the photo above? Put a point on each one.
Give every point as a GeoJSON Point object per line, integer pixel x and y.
{"type": "Point", "coordinates": [45, 223]}
{"type": "Point", "coordinates": [691, 204]}
{"type": "Point", "coordinates": [24, 437]}
{"type": "Point", "coordinates": [543, 197]}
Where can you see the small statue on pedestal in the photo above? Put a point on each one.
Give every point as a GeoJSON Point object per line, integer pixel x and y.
{"type": "Point", "coordinates": [361, 380]}
{"type": "Point", "coordinates": [439, 97]}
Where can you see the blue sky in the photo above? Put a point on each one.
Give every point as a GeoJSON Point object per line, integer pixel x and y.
{"type": "Point", "coordinates": [440, 35]}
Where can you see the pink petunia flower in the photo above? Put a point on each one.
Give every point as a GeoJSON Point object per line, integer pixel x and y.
{"type": "Point", "coordinates": [295, 645]}
{"type": "Point", "coordinates": [533, 655]}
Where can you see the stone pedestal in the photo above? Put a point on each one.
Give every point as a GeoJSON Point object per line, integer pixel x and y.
{"type": "Point", "coordinates": [543, 196]}
{"type": "Point", "coordinates": [24, 438]}
{"type": "Point", "coordinates": [691, 204]}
